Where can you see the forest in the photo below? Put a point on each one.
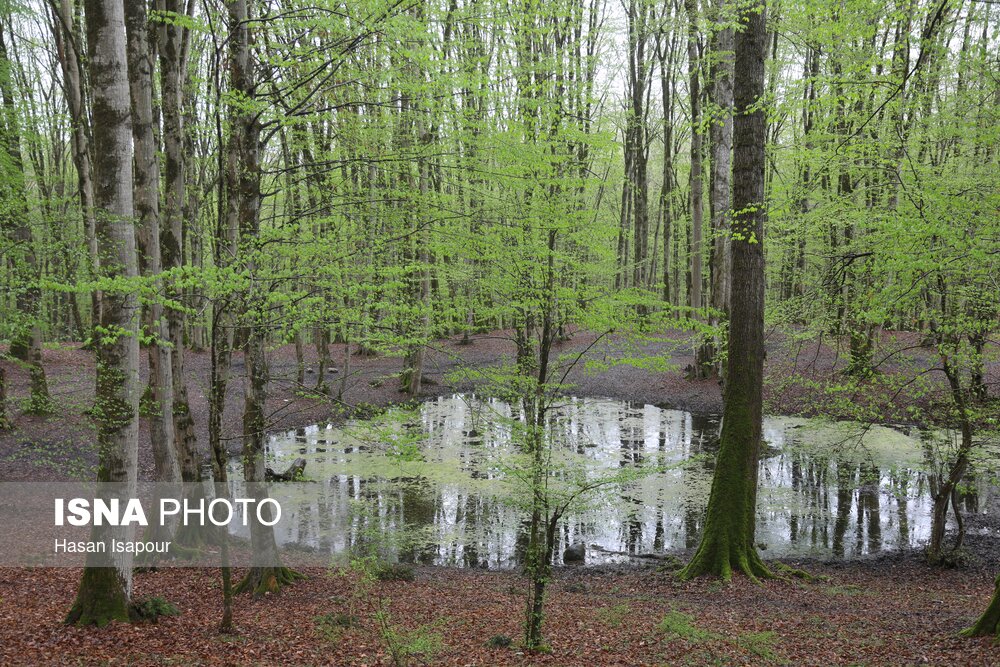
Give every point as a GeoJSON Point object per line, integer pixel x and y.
{"type": "Point", "coordinates": [518, 332]}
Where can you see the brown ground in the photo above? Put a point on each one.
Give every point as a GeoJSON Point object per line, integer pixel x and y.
{"type": "Point", "coordinates": [899, 614]}
{"type": "Point", "coordinates": [888, 610]}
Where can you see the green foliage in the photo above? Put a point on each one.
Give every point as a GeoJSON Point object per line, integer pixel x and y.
{"type": "Point", "coordinates": [393, 572]}
{"type": "Point", "coordinates": [151, 609]}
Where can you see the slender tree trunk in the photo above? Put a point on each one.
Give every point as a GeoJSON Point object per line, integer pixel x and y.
{"type": "Point", "coordinates": [722, 147]}
{"type": "Point", "coordinates": [104, 592]}
{"type": "Point", "coordinates": [727, 543]}
{"type": "Point", "coordinates": [68, 45]}
{"type": "Point", "coordinates": [697, 187]}
{"type": "Point", "coordinates": [266, 576]}
{"type": "Point", "coordinates": [172, 229]}
{"type": "Point", "coordinates": [147, 209]}
{"type": "Point", "coordinates": [26, 344]}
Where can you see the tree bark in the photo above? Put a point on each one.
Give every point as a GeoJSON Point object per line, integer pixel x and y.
{"type": "Point", "coordinates": [727, 543]}
{"type": "Point", "coordinates": [26, 343]}
{"type": "Point", "coordinates": [68, 49]}
{"type": "Point", "coordinates": [266, 576]}
{"type": "Point", "coordinates": [989, 623]}
{"type": "Point", "coordinates": [696, 179]}
{"type": "Point", "coordinates": [147, 209]}
{"type": "Point", "coordinates": [104, 591]}
{"type": "Point", "coordinates": [171, 38]}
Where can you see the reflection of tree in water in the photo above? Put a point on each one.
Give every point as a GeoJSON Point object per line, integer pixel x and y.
{"type": "Point", "coordinates": [868, 510]}
{"type": "Point", "coordinates": [845, 500]}
{"type": "Point", "coordinates": [838, 503]}
{"type": "Point", "coordinates": [699, 435]}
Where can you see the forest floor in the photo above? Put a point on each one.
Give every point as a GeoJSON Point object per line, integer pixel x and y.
{"type": "Point", "coordinates": [887, 612]}
{"type": "Point", "coordinates": [890, 609]}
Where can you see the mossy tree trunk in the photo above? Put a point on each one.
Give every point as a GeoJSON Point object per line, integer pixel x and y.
{"type": "Point", "coordinates": [172, 66]}
{"type": "Point", "coordinates": [147, 209]}
{"type": "Point", "coordinates": [105, 587]}
{"type": "Point", "coordinates": [727, 543]}
{"type": "Point", "coordinates": [989, 623]}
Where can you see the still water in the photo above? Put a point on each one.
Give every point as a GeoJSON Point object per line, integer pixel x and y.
{"type": "Point", "coordinates": [446, 483]}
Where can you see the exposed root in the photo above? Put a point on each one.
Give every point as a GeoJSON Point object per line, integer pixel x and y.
{"type": "Point", "coordinates": [788, 571]}
{"type": "Point", "coordinates": [263, 580]}
{"type": "Point", "coordinates": [718, 560]}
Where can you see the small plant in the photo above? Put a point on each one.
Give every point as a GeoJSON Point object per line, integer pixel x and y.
{"type": "Point", "coordinates": [678, 625]}
{"type": "Point", "coordinates": [333, 625]}
{"type": "Point", "coordinates": [393, 572]}
{"type": "Point", "coordinates": [151, 609]}
{"type": "Point", "coordinates": [614, 616]}
{"type": "Point", "coordinates": [760, 644]}
{"type": "Point", "coordinates": [500, 641]}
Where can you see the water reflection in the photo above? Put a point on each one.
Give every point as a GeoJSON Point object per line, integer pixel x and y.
{"type": "Point", "coordinates": [434, 487]}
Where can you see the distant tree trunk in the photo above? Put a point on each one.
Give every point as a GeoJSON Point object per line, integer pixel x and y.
{"type": "Point", "coordinates": [989, 623]}
{"type": "Point", "coordinates": [68, 46]}
{"type": "Point", "coordinates": [946, 494]}
{"type": "Point", "coordinates": [697, 187]}
{"type": "Point", "coordinates": [727, 543]}
{"type": "Point", "coordinates": [104, 592]}
{"type": "Point", "coordinates": [171, 37]}
{"type": "Point", "coordinates": [26, 345]}
{"type": "Point", "coordinates": [267, 576]}
{"type": "Point", "coordinates": [665, 53]}
{"type": "Point", "coordinates": [147, 210]}
{"type": "Point", "coordinates": [721, 134]}
{"type": "Point", "coordinates": [721, 137]}
{"type": "Point", "coordinates": [423, 291]}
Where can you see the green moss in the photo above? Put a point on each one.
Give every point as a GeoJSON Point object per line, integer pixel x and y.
{"type": "Point", "coordinates": [614, 616]}
{"type": "Point", "coordinates": [678, 625]}
{"type": "Point", "coordinates": [100, 599]}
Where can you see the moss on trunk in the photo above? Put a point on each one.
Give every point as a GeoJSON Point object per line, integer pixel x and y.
{"type": "Point", "coordinates": [988, 624]}
{"type": "Point", "coordinates": [100, 599]}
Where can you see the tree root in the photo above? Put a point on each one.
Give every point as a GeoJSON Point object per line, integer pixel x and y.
{"type": "Point", "coordinates": [713, 559]}
{"type": "Point", "coordinates": [788, 571]}
{"type": "Point", "coordinates": [263, 580]}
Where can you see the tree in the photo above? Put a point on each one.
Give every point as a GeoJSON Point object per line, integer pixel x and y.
{"type": "Point", "coordinates": [989, 623]}
{"type": "Point", "coordinates": [244, 195]}
{"type": "Point", "coordinates": [147, 210]}
{"type": "Point", "coordinates": [171, 32]}
{"type": "Point", "coordinates": [15, 223]}
{"type": "Point", "coordinates": [727, 543]}
{"type": "Point", "coordinates": [104, 592]}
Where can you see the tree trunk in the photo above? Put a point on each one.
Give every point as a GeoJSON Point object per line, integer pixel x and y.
{"type": "Point", "coordinates": [68, 47]}
{"type": "Point", "coordinates": [697, 187]}
{"type": "Point", "coordinates": [989, 623]}
{"type": "Point", "coordinates": [147, 210]}
{"type": "Point", "coordinates": [266, 576]}
{"type": "Point", "coordinates": [727, 543]}
{"type": "Point", "coordinates": [26, 343]}
{"type": "Point", "coordinates": [104, 592]}
{"type": "Point", "coordinates": [172, 233]}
